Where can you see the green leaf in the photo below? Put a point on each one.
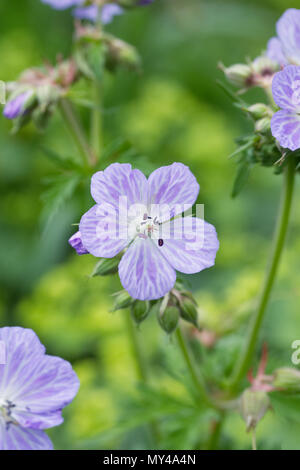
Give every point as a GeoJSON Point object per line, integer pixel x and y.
{"type": "Point", "coordinates": [241, 177]}
{"type": "Point", "coordinates": [64, 163]}
{"type": "Point", "coordinates": [61, 189]}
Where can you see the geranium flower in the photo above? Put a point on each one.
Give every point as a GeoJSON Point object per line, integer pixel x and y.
{"type": "Point", "coordinates": [285, 48]}
{"type": "Point", "coordinates": [91, 12]}
{"type": "Point", "coordinates": [34, 388]}
{"type": "Point", "coordinates": [285, 124]}
{"type": "Point", "coordinates": [137, 215]}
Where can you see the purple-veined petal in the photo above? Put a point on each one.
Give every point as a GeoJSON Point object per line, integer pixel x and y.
{"type": "Point", "coordinates": [103, 234]}
{"type": "Point", "coordinates": [15, 107]}
{"type": "Point", "coordinates": [14, 437]}
{"type": "Point", "coordinates": [172, 186]}
{"type": "Point", "coordinates": [62, 4]}
{"type": "Point", "coordinates": [288, 31]}
{"type": "Point", "coordinates": [285, 127]}
{"type": "Point", "coordinates": [275, 52]}
{"type": "Point", "coordinates": [144, 272]}
{"type": "Point", "coordinates": [190, 244]}
{"type": "Point", "coordinates": [119, 180]}
{"type": "Point", "coordinates": [109, 11]}
{"type": "Point", "coordinates": [41, 390]}
{"type": "Point", "coordinates": [89, 13]}
{"type": "Point", "coordinates": [33, 386]}
{"type": "Point", "coordinates": [286, 88]}
{"type": "Point", "coordinates": [76, 242]}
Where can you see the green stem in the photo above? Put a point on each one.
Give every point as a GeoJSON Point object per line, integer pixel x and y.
{"type": "Point", "coordinates": [141, 368]}
{"type": "Point", "coordinates": [140, 364]}
{"type": "Point", "coordinates": [195, 375]}
{"type": "Point", "coordinates": [278, 244]}
{"type": "Point", "coordinates": [96, 122]}
{"type": "Point", "coordinates": [76, 131]}
{"type": "Point", "coordinates": [213, 441]}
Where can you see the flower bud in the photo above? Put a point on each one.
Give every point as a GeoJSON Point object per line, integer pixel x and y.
{"type": "Point", "coordinates": [264, 66]}
{"type": "Point", "coordinates": [287, 379]}
{"type": "Point", "coordinates": [168, 319]}
{"type": "Point", "coordinates": [140, 310]}
{"type": "Point", "coordinates": [122, 300]}
{"type": "Point", "coordinates": [253, 406]}
{"type": "Point", "coordinates": [121, 54]}
{"type": "Point", "coordinates": [239, 74]}
{"type": "Point", "coordinates": [106, 266]}
{"type": "Point", "coordinates": [263, 125]}
{"type": "Point", "coordinates": [189, 312]}
{"type": "Point", "coordinates": [259, 110]}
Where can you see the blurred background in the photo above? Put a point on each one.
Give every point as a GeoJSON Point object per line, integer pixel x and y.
{"type": "Point", "coordinates": [173, 111]}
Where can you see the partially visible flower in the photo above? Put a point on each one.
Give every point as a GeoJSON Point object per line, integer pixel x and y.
{"type": "Point", "coordinates": [90, 11]}
{"type": "Point", "coordinates": [156, 246]}
{"type": "Point", "coordinates": [285, 124]}
{"type": "Point", "coordinates": [62, 4]}
{"type": "Point", "coordinates": [76, 243]}
{"type": "Point", "coordinates": [285, 48]}
{"type": "Point", "coordinates": [34, 388]}
{"type": "Point", "coordinates": [16, 106]}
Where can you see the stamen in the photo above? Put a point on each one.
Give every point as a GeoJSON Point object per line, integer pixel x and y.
{"type": "Point", "coordinates": [160, 242]}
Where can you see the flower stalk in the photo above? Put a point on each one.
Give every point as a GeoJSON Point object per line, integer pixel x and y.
{"type": "Point", "coordinates": [75, 128]}
{"type": "Point", "coordinates": [277, 248]}
{"type": "Point", "coordinates": [194, 373]}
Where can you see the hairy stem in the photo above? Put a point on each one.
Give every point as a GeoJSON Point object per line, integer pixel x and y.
{"type": "Point", "coordinates": [278, 244]}
{"type": "Point", "coordinates": [194, 373]}
{"type": "Point", "coordinates": [96, 121]}
{"type": "Point", "coordinates": [140, 364]}
{"type": "Point", "coordinates": [141, 368]}
{"type": "Point", "coordinates": [75, 128]}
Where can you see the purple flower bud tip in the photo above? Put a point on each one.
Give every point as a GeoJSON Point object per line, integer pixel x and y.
{"type": "Point", "coordinates": [76, 243]}
{"type": "Point", "coordinates": [15, 107]}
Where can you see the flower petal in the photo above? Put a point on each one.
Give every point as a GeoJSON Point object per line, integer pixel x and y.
{"type": "Point", "coordinates": [117, 180]}
{"type": "Point", "coordinates": [285, 127]}
{"type": "Point", "coordinates": [286, 88]}
{"type": "Point", "coordinates": [37, 385]}
{"type": "Point", "coordinates": [144, 272]}
{"type": "Point", "coordinates": [109, 11]}
{"type": "Point", "coordinates": [17, 341]}
{"type": "Point", "coordinates": [41, 390]}
{"type": "Point", "coordinates": [17, 438]}
{"type": "Point", "coordinates": [275, 52]}
{"type": "Point", "coordinates": [102, 233]}
{"type": "Point", "coordinates": [288, 30]}
{"type": "Point", "coordinates": [89, 13]}
{"type": "Point", "coordinates": [191, 244]}
{"type": "Point", "coordinates": [174, 186]}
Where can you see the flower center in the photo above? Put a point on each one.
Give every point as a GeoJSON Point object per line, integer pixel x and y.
{"type": "Point", "coordinates": [148, 227]}
{"type": "Point", "coordinates": [6, 410]}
